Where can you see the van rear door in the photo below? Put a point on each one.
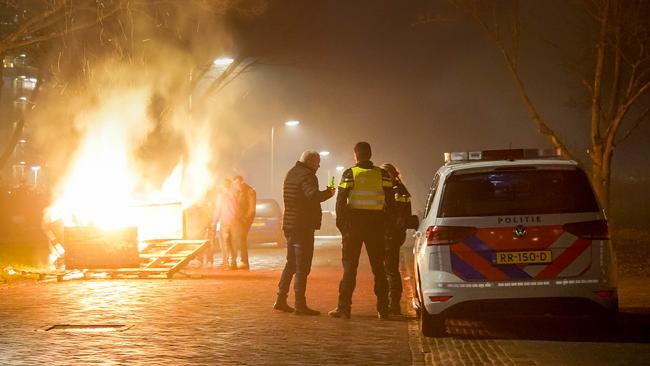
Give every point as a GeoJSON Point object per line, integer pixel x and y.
{"type": "Point", "coordinates": [532, 222]}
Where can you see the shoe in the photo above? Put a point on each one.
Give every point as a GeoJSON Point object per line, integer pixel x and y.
{"type": "Point", "coordinates": [283, 306]}
{"type": "Point", "coordinates": [339, 313]}
{"type": "Point", "coordinates": [242, 265]}
{"type": "Point", "coordinates": [304, 310]}
{"type": "Point", "coordinates": [383, 315]}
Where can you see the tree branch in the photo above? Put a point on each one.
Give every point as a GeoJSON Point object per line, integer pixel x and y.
{"type": "Point", "coordinates": [598, 76]}
{"type": "Point", "coordinates": [616, 77]}
{"type": "Point", "coordinates": [636, 124]}
{"type": "Point", "coordinates": [40, 22]}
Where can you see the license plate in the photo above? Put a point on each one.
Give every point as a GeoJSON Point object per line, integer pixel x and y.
{"type": "Point", "coordinates": [537, 256]}
{"type": "Point", "coordinates": [258, 224]}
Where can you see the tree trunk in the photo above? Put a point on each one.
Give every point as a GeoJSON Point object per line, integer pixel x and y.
{"type": "Point", "coordinates": [601, 173]}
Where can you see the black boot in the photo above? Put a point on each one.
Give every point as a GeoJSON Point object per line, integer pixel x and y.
{"type": "Point", "coordinates": [281, 304]}
{"type": "Point", "coordinates": [303, 309]}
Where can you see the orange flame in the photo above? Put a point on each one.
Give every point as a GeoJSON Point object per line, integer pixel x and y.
{"type": "Point", "coordinates": [103, 185]}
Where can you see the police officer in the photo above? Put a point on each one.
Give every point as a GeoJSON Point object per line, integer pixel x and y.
{"type": "Point", "coordinates": [365, 200]}
{"type": "Point", "coordinates": [395, 235]}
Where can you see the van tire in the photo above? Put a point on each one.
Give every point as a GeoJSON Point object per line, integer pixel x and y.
{"type": "Point", "coordinates": [432, 325]}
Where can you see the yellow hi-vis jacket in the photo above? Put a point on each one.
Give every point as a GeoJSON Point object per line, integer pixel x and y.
{"type": "Point", "coordinates": [366, 188]}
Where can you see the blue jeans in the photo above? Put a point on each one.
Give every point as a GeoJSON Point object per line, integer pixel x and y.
{"type": "Point", "coordinates": [300, 251]}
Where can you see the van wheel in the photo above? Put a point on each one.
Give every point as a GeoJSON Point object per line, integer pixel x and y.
{"type": "Point", "coordinates": [432, 325]}
{"type": "Point", "coordinates": [609, 318]}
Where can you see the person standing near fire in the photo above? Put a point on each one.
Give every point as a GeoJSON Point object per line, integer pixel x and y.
{"type": "Point", "coordinates": [394, 237]}
{"type": "Point", "coordinates": [245, 198]}
{"type": "Point", "coordinates": [223, 219]}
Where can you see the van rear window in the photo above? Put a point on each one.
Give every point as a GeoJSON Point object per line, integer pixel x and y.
{"type": "Point", "coordinates": [267, 209]}
{"type": "Point", "coordinates": [517, 192]}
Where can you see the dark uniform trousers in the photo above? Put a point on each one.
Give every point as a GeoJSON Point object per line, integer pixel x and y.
{"type": "Point", "coordinates": [394, 242]}
{"type": "Point", "coordinates": [365, 228]}
{"type": "Point", "coordinates": [300, 251]}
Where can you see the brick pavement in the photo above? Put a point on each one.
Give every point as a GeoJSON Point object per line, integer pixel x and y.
{"type": "Point", "coordinates": [222, 320]}
{"type": "Point", "coordinates": [226, 318]}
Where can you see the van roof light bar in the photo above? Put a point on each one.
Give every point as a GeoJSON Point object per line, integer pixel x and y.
{"type": "Point", "coordinates": [507, 154]}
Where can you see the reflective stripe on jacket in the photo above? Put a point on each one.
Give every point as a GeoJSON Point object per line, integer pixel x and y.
{"type": "Point", "coordinates": [366, 188]}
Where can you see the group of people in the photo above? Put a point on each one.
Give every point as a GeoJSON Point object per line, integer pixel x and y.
{"type": "Point", "coordinates": [373, 207]}
{"type": "Point", "coordinates": [233, 215]}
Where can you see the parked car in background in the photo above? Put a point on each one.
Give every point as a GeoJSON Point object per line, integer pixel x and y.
{"type": "Point", "coordinates": [328, 224]}
{"type": "Point", "coordinates": [267, 226]}
{"type": "Point", "coordinates": [510, 231]}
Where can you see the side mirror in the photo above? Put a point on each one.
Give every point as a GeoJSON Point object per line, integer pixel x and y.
{"type": "Point", "coordinates": [412, 222]}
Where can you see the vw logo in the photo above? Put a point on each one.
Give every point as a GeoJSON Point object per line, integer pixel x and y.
{"type": "Point", "coordinates": [520, 231]}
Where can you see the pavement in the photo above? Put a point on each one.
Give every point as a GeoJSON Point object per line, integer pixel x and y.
{"type": "Point", "coordinates": [212, 317]}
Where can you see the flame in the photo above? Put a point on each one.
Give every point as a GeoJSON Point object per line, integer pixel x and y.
{"type": "Point", "coordinates": [105, 186]}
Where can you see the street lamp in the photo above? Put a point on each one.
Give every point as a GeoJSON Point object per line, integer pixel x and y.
{"type": "Point", "coordinates": [291, 123]}
{"type": "Point", "coordinates": [223, 61]}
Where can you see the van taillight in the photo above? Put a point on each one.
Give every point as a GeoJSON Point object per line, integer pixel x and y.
{"type": "Point", "coordinates": [445, 235]}
{"type": "Point", "coordinates": [590, 230]}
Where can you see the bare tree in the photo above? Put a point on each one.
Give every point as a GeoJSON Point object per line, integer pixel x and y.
{"type": "Point", "coordinates": [616, 80]}
{"type": "Point", "coordinates": [53, 25]}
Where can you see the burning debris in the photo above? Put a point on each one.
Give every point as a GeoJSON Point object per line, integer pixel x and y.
{"type": "Point", "coordinates": [119, 175]}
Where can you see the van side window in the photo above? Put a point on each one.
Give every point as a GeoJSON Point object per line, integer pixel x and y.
{"type": "Point", "coordinates": [432, 194]}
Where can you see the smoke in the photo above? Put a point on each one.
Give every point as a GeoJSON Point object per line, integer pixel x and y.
{"type": "Point", "coordinates": [128, 129]}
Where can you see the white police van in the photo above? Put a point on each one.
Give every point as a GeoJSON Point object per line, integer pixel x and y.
{"type": "Point", "coordinates": [511, 229]}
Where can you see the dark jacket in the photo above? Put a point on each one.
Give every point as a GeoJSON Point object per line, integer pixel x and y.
{"type": "Point", "coordinates": [345, 213]}
{"type": "Point", "coordinates": [245, 205]}
{"type": "Point", "coordinates": [399, 221]}
{"type": "Point", "coordinates": [302, 199]}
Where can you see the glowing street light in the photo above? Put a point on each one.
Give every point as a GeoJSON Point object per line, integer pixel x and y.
{"type": "Point", "coordinates": [223, 61]}
{"type": "Point", "coordinates": [292, 123]}
{"type": "Point", "coordinates": [324, 153]}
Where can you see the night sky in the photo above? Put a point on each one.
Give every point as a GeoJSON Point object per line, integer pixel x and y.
{"type": "Point", "coordinates": [414, 78]}
{"type": "Point", "coordinates": [371, 70]}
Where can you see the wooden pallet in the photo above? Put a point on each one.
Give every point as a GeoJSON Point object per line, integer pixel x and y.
{"type": "Point", "coordinates": [160, 259]}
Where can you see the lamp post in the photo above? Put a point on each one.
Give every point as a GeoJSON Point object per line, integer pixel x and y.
{"type": "Point", "coordinates": [35, 170]}
{"type": "Point", "coordinates": [291, 123]}
{"type": "Point", "coordinates": [324, 153]}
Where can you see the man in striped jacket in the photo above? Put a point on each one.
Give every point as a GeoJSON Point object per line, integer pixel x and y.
{"type": "Point", "coordinates": [302, 216]}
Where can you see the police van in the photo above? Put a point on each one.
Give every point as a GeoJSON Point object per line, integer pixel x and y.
{"type": "Point", "coordinates": [511, 229]}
